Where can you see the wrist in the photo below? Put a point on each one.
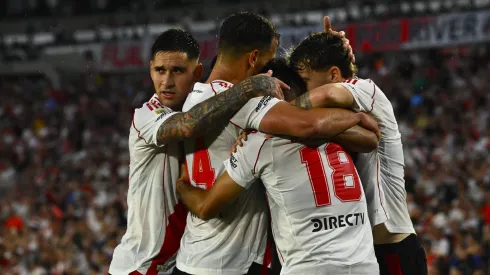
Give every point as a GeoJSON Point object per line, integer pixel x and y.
{"type": "Point", "coordinates": [255, 91]}
{"type": "Point", "coordinates": [359, 118]}
{"type": "Point", "coordinates": [180, 185]}
{"type": "Point", "coordinates": [260, 85]}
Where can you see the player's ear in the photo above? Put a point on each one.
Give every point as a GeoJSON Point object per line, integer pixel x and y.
{"type": "Point", "coordinates": [334, 75]}
{"type": "Point", "coordinates": [253, 57]}
{"type": "Point", "coordinates": [198, 72]}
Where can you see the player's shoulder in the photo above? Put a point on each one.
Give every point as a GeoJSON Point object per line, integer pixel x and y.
{"type": "Point", "coordinates": [219, 86]}
{"type": "Point", "coordinates": [152, 109]}
{"type": "Point", "coordinates": [203, 91]}
{"type": "Point", "coordinates": [360, 82]}
{"type": "Point", "coordinates": [365, 85]}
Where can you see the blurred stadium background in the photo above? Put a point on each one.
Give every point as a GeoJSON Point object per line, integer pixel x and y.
{"type": "Point", "coordinates": [72, 70]}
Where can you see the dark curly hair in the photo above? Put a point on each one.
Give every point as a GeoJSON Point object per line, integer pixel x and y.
{"type": "Point", "coordinates": [321, 51]}
{"type": "Point", "coordinates": [288, 75]}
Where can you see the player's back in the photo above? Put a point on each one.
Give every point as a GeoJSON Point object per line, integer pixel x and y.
{"type": "Point", "coordinates": [156, 219]}
{"type": "Point", "coordinates": [371, 99]}
{"type": "Point", "coordinates": [319, 212]}
{"type": "Point", "coordinates": [230, 243]}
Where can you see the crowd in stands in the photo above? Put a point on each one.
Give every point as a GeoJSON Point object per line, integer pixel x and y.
{"type": "Point", "coordinates": [12, 9]}
{"type": "Point", "coordinates": [64, 161]}
{"type": "Point", "coordinates": [52, 15]}
{"type": "Point", "coordinates": [60, 20]}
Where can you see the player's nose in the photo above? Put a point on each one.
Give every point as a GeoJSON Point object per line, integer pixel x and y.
{"type": "Point", "coordinates": [167, 81]}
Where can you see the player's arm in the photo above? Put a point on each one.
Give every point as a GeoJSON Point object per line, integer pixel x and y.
{"type": "Point", "coordinates": [207, 204]}
{"type": "Point", "coordinates": [328, 95]}
{"type": "Point", "coordinates": [355, 139]}
{"type": "Point", "coordinates": [242, 170]}
{"type": "Point", "coordinates": [286, 119]}
{"type": "Point", "coordinates": [215, 112]}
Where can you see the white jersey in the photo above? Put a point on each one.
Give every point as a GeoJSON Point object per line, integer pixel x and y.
{"type": "Point", "coordinates": [156, 218]}
{"type": "Point", "coordinates": [230, 243]}
{"type": "Point", "coordinates": [318, 208]}
{"type": "Point", "coordinates": [388, 185]}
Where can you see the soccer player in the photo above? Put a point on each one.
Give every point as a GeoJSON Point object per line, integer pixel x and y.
{"type": "Point", "coordinates": [320, 59]}
{"type": "Point", "coordinates": [230, 244]}
{"type": "Point", "coordinates": [156, 219]}
{"type": "Point", "coordinates": [319, 212]}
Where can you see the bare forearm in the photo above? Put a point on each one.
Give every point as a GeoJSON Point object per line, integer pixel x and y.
{"type": "Point", "coordinates": [192, 197]}
{"type": "Point", "coordinates": [286, 120]}
{"type": "Point", "coordinates": [331, 122]}
{"type": "Point", "coordinates": [303, 101]}
{"type": "Point", "coordinates": [329, 95]}
{"type": "Point", "coordinates": [215, 112]}
{"type": "Point", "coordinates": [357, 139]}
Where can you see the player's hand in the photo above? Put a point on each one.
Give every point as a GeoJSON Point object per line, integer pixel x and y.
{"type": "Point", "coordinates": [181, 183]}
{"type": "Point", "coordinates": [183, 172]}
{"type": "Point", "coordinates": [239, 141]}
{"type": "Point", "coordinates": [280, 86]}
{"type": "Point", "coordinates": [327, 27]}
{"type": "Point", "coordinates": [369, 123]}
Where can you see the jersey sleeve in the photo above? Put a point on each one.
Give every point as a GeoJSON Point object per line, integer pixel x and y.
{"type": "Point", "coordinates": [363, 92]}
{"type": "Point", "coordinates": [247, 164]}
{"type": "Point", "coordinates": [196, 97]}
{"type": "Point", "coordinates": [203, 91]}
{"type": "Point", "coordinates": [252, 113]}
{"type": "Point", "coordinates": [147, 121]}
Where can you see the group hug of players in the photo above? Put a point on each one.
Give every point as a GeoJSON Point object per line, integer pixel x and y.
{"type": "Point", "coordinates": [291, 191]}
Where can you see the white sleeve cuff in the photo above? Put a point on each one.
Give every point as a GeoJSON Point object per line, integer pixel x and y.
{"type": "Point", "coordinates": [157, 125]}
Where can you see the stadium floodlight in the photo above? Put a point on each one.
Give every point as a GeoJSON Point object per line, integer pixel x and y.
{"type": "Point", "coordinates": [367, 11]}
{"type": "Point", "coordinates": [481, 3]}
{"type": "Point", "coordinates": [435, 6]}
{"type": "Point", "coordinates": [380, 9]}
{"type": "Point", "coordinates": [420, 7]}
{"type": "Point", "coordinates": [448, 4]}
{"type": "Point", "coordinates": [405, 7]}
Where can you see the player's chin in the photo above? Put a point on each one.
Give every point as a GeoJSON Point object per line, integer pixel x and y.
{"type": "Point", "coordinates": [174, 103]}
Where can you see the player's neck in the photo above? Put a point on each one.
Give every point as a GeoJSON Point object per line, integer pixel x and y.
{"type": "Point", "coordinates": [178, 108]}
{"type": "Point", "coordinates": [227, 72]}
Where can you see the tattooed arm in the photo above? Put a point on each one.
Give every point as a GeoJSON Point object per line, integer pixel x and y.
{"type": "Point", "coordinates": [214, 113]}
{"type": "Point", "coordinates": [329, 95]}
{"type": "Point", "coordinates": [303, 101]}
{"type": "Point", "coordinates": [286, 120]}
{"type": "Point", "coordinates": [355, 139]}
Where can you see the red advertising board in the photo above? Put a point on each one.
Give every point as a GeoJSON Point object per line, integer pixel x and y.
{"type": "Point", "coordinates": [389, 35]}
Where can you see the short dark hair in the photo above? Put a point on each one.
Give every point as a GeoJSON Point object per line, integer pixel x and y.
{"type": "Point", "coordinates": [244, 32]}
{"type": "Point", "coordinates": [288, 75]}
{"type": "Point", "coordinates": [176, 40]}
{"type": "Point", "coordinates": [321, 51]}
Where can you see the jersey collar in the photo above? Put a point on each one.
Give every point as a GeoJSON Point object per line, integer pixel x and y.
{"type": "Point", "coordinates": [219, 86]}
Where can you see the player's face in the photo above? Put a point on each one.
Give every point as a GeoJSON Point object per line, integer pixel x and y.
{"type": "Point", "coordinates": [264, 57]}
{"type": "Point", "coordinates": [173, 76]}
{"type": "Point", "coordinates": [314, 79]}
